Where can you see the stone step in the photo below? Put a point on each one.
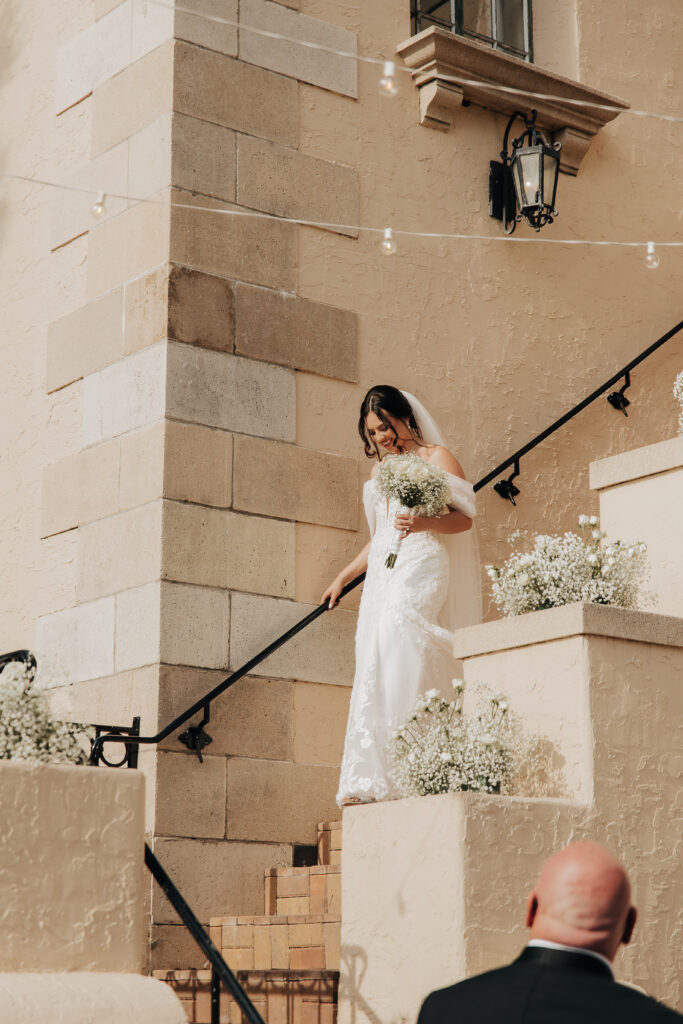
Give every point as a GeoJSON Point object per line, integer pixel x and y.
{"type": "Point", "coordinates": [281, 997]}
{"type": "Point", "coordinates": [287, 942]}
{"type": "Point", "coordinates": [329, 842]}
{"type": "Point", "coordinates": [314, 890]}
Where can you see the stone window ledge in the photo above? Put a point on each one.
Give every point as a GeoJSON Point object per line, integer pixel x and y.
{"type": "Point", "coordinates": [436, 54]}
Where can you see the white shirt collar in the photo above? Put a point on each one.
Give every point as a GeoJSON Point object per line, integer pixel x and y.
{"type": "Point", "coordinates": [546, 944]}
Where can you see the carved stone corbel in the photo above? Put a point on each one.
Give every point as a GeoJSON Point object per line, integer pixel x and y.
{"type": "Point", "coordinates": [438, 104]}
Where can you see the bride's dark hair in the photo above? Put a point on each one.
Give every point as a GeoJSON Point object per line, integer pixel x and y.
{"type": "Point", "coordinates": [384, 399]}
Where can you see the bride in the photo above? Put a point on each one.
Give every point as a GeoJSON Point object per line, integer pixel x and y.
{"type": "Point", "coordinates": [404, 636]}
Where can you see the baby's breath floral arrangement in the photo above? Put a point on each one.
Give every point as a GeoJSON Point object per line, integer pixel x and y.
{"type": "Point", "coordinates": [415, 485]}
{"type": "Point", "coordinates": [28, 732]}
{"type": "Point", "coordinates": [678, 393]}
{"type": "Point", "coordinates": [440, 750]}
{"type": "Point", "coordinates": [559, 570]}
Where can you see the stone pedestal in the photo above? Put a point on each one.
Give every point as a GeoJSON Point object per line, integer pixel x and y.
{"type": "Point", "coordinates": [434, 887]}
{"type": "Point", "coordinates": [641, 498]}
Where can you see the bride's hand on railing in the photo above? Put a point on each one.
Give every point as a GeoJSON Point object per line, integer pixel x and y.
{"type": "Point", "coordinates": [332, 593]}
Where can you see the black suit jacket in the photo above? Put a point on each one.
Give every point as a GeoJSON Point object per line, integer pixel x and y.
{"type": "Point", "coordinates": [544, 986]}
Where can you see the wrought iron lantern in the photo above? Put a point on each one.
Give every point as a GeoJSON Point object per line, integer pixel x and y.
{"type": "Point", "coordinates": [525, 183]}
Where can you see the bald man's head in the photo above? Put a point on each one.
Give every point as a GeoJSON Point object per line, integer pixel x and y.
{"type": "Point", "coordinates": [583, 898]}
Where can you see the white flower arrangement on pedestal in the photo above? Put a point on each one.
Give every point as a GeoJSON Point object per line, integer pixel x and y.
{"type": "Point", "coordinates": [439, 750]}
{"type": "Point", "coordinates": [28, 732]}
{"type": "Point", "coordinates": [559, 570]}
{"type": "Point", "coordinates": [678, 393]}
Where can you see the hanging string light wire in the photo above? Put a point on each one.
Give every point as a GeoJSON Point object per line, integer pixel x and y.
{"type": "Point", "coordinates": [345, 228]}
{"type": "Point", "coordinates": [380, 61]}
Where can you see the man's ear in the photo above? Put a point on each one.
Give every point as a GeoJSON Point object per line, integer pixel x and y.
{"type": "Point", "coordinates": [629, 926]}
{"type": "Point", "coordinates": [531, 909]}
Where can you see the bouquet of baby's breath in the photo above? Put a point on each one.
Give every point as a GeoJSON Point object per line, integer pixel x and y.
{"type": "Point", "coordinates": [28, 732]}
{"type": "Point", "coordinates": [440, 750]}
{"type": "Point", "coordinates": [559, 570]}
{"type": "Point", "coordinates": [415, 485]}
{"type": "Point", "coordinates": [678, 393]}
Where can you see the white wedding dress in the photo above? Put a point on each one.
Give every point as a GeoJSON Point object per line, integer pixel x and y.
{"type": "Point", "coordinates": [404, 638]}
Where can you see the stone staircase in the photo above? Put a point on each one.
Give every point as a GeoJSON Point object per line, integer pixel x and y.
{"type": "Point", "coordinates": [286, 959]}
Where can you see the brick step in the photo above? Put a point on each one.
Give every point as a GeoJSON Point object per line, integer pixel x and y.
{"type": "Point", "coordinates": [329, 842]}
{"type": "Point", "coordinates": [286, 942]}
{"type": "Point", "coordinates": [314, 890]}
{"type": "Point", "coordinates": [281, 997]}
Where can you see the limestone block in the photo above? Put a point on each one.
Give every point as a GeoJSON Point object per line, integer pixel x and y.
{"type": "Point", "coordinates": [173, 623]}
{"type": "Point", "coordinates": [120, 552]}
{"type": "Point", "coordinates": [80, 488]}
{"type": "Point", "coordinates": [77, 643]}
{"type": "Point", "coordinates": [236, 871]}
{"type": "Point", "coordinates": [321, 551]}
{"type": "Point", "coordinates": [172, 946]}
{"type": "Point", "coordinates": [146, 310]}
{"type": "Point", "coordinates": [190, 797]}
{"type": "Point", "coordinates": [320, 715]}
{"type": "Point", "coordinates": [128, 246]}
{"type": "Point", "coordinates": [221, 390]}
{"type": "Point", "coordinates": [326, 485]}
{"type": "Point", "coordinates": [125, 396]}
{"type": "Point", "coordinates": [202, 30]}
{"type": "Point", "coordinates": [79, 997]}
{"type": "Point", "coordinates": [84, 341]}
{"type": "Point", "coordinates": [71, 860]}
{"type": "Point", "coordinates": [58, 556]}
{"type": "Point", "coordinates": [204, 157]}
{"type": "Point", "coordinates": [633, 484]}
{"type": "Point", "coordinates": [201, 309]}
{"type": "Point", "coordinates": [102, 7]}
{"type": "Point", "coordinates": [236, 95]}
{"type": "Point", "coordinates": [327, 417]}
{"type": "Point", "coordinates": [217, 548]}
{"type": "Point", "coordinates": [296, 332]}
{"type": "Point", "coordinates": [204, 235]}
{"type": "Point", "coordinates": [95, 54]}
{"type": "Point", "coordinates": [150, 158]}
{"type": "Point", "coordinates": [287, 183]}
{"type": "Point", "coordinates": [197, 464]}
{"type": "Point", "coordinates": [277, 800]}
{"type": "Point", "coordinates": [111, 700]}
{"type": "Point", "coordinates": [142, 466]}
{"type": "Point", "coordinates": [319, 67]}
{"type": "Point", "coordinates": [322, 653]}
{"type": "Point", "coordinates": [141, 93]}
{"type": "Point", "coordinates": [70, 207]}
{"type": "Point", "coordinates": [253, 718]}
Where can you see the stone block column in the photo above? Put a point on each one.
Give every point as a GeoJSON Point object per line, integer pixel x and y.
{"type": "Point", "coordinates": [188, 486]}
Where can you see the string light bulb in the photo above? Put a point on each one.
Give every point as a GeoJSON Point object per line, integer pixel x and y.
{"type": "Point", "coordinates": [97, 208]}
{"type": "Point", "coordinates": [651, 257]}
{"type": "Point", "coordinates": [387, 83]}
{"type": "Point", "coordinates": [388, 243]}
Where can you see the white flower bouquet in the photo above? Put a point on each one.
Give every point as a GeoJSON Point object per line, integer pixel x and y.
{"type": "Point", "coordinates": [28, 732]}
{"type": "Point", "coordinates": [415, 485]}
{"type": "Point", "coordinates": [440, 750]}
{"type": "Point", "coordinates": [678, 393]}
{"type": "Point", "coordinates": [559, 570]}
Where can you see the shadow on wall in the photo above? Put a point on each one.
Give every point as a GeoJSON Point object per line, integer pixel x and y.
{"type": "Point", "coordinates": [354, 968]}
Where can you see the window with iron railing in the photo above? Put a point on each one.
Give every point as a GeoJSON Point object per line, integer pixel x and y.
{"type": "Point", "coordinates": [502, 24]}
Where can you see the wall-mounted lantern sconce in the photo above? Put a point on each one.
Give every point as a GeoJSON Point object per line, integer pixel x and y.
{"type": "Point", "coordinates": [525, 183]}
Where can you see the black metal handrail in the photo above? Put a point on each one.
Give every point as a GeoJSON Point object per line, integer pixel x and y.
{"type": "Point", "coordinates": [220, 972]}
{"type": "Point", "coordinates": [195, 737]}
{"type": "Point", "coordinates": [506, 488]}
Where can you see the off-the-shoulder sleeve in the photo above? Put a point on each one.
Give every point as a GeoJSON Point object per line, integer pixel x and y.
{"type": "Point", "coordinates": [369, 505]}
{"type": "Point", "coordinates": [461, 496]}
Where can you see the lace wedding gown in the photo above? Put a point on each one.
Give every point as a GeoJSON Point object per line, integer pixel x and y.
{"type": "Point", "coordinates": [403, 645]}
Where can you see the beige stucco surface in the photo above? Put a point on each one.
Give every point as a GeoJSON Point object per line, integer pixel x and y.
{"type": "Point", "coordinates": [641, 498]}
{"type": "Point", "coordinates": [81, 998]}
{"type": "Point", "coordinates": [458, 867]}
{"type": "Point", "coordinates": [71, 868]}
